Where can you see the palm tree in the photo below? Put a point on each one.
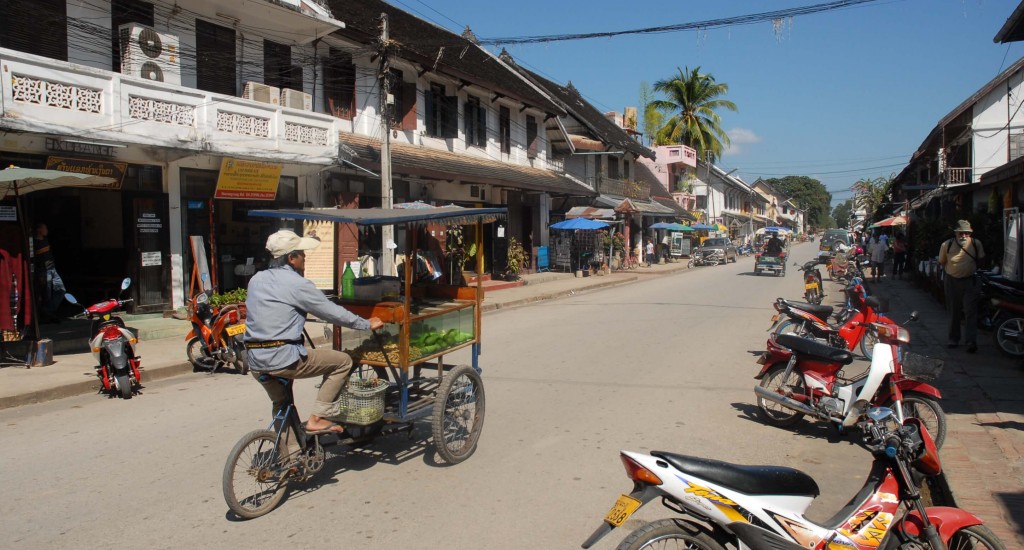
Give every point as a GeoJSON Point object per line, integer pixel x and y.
{"type": "Point", "coordinates": [693, 98]}
{"type": "Point", "coordinates": [871, 195]}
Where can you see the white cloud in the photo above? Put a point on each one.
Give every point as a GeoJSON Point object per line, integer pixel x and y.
{"type": "Point", "coordinates": [740, 137]}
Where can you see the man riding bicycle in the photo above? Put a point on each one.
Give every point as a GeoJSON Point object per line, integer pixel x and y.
{"type": "Point", "coordinates": [277, 301]}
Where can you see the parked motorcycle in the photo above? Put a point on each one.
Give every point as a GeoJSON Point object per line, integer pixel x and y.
{"type": "Point", "coordinates": [814, 292]}
{"type": "Point", "coordinates": [745, 249]}
{"type": "Point", "coordinates": [803, 377]}
{"type": "Point", "coordinates": [711, 257]}
{"type": "Point", "coordinates": [112, 344]}
{"type": "Point", "coordinates": [216, 336]}
{"type": "Point", "coordinates": [761, 507]}
{"type": "Point", "coordinates": [1002, 310]}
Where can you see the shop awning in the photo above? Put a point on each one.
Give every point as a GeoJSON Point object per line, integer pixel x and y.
{"type": "Point", "coordinates": [647, 208]}
{"type": "Point", "coordinates": [438, 164]}
{"type": "Point", "coordinates": [451, 215]}
{"type": "Point", "coordinates": [591, 213]}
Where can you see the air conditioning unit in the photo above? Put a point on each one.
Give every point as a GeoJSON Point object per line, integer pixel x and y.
{"type": "Point", "coordinates": [148, 54]}
{"type": "Point", "coordinates": [294, 99]}
{"type": "Point", "coordinates": [263, 93]}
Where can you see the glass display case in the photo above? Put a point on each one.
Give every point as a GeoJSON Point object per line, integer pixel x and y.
{"type": "Point", "coordinates": [432, 329]}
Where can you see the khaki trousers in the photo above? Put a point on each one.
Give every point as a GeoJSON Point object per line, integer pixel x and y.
{"type": "Point", "coordinates": [335, 368]}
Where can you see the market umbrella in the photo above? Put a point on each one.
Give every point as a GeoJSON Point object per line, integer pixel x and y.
{"type": "Point", "coordinates": [889, 222]}
{"type": "Point", "coordinates": [702, 226]}
{"type": "Point", "coordinates": [677, 227]}
{"type": "Point", "coordinates": [660, 225]}
{"type": "Point", "coordinates": [579, 223]}
{"type": "Point", "coordinates": [16, 182]}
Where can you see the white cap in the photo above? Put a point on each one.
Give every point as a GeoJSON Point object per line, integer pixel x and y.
{"type": "Point", "coordinates": [391, 245]}
{"type": "Point", "coordinates": [285, 241]}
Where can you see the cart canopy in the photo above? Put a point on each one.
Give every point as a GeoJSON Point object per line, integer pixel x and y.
{"type": "Point", "coordinates": [450, 215]}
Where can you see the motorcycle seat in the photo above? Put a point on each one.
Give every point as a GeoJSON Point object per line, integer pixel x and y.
{"type": "Point", "coordinates": [822, 312]}
{"type": "Point", "coordinates": [814, 350]}
{"type": "Point", "coordinates": [878, 304]}
{"type": "Point", "coordinates": [751, 480]}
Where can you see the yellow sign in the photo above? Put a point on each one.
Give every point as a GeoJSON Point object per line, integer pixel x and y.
{"type": "Point", "coordinates": [102, 168]}
{"type": "Point", "coordinates": [247, 179]}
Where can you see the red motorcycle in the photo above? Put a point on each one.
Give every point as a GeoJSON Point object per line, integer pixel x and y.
{"type": "Point", "coordinates": [800, 376]}
{"type": "Point", "coordinates": [216, 336]}
{"type": "Point", "coordinates": [113, 345]}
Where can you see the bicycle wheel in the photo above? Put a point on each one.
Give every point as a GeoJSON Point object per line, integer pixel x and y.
{"type": "Point", "coordinates": [928, 410]}
{"type": "Point", "coordinates": [669, 533]}
{"type": "Point", "coordinates": [255, 475]}
{"type": "Point", "coordinates": [772, 412]}
{"type": "Point", "coordinates": [458, 414]}
{"type": "Point", "coordinates": [975, 537]}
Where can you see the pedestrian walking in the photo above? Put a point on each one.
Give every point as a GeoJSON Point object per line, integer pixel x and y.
{"type": "Point", "coordinates": [960, 258]}
{"type": "Point", "coordinates": [649, 249]}
{"type": "Point", "coordinates": [899, 256]}
{"type": "Point", "coordinates": [877, 251]}
{"type": "Point", "coordinates": [48, 282]}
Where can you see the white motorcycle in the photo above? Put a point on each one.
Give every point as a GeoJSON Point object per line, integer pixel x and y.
{"type": "Point", "coordinates": [762, 507]}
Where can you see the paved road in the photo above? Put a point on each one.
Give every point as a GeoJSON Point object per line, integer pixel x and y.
{"type": "Point", "coordinates": [662, 364]}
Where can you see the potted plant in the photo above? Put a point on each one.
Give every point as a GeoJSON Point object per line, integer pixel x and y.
{"type": "Point", "coordinates": [235, 297]}
{"type": "Point", "coordinates": [516, 260]}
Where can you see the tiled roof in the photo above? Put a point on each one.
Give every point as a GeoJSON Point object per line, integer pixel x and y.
{"type": "Point", "coordinates": [582, 110]}
{"type": "Point", "coordinates": [436, 49]}
{"type": "Point", "coordinates": [434, 163]}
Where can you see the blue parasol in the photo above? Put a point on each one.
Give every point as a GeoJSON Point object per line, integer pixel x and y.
{"type": "Point", "coordinates": [703, 226]}
{"type": "Point", "coordinates": [579, 223]}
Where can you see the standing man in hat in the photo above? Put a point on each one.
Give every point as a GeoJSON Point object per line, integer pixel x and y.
{"type": "Point", "coordinates": [960, 258]}
{"type": "Point", "coordinates": [277, 301]}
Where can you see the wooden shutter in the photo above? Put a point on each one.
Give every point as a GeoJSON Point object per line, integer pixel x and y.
{"type": "Point", "coordinates": [408, 106]}
{"type": "Point", "coordinates": [449, 116]}
{"type": "Point", "coordinates": [531, 137]}
{"type": "Point", "coordinates": [481, 114]}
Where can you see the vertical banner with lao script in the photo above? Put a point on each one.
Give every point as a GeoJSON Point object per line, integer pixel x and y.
{"type": "Point", "coordinates": [247, 180]}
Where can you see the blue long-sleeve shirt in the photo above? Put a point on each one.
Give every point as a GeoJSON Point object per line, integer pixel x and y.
{"type": "Point", "coordinates": [277, 301]}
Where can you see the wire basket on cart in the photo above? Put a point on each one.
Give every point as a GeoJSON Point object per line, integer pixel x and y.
{"type": "Point", "coordinates": [361, 402]}
{"type": "Point", "coordinates": [921, 368]}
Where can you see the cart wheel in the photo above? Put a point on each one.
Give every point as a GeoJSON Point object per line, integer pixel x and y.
{"type": "Point", "coordinates": [458, 414]}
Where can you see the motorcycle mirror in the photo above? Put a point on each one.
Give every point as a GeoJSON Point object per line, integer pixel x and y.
{"type": "Point", "coordinates": [71, 299]}
{"type": "Point", "coordinates": [913, 316]}
{"type": "Point", "coordinates": [202, 298]}
{"type": "Point", "coordinates": [127, 282]}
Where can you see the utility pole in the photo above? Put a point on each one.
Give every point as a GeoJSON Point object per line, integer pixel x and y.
{"type": "Point", "coordinates": [387, 234]}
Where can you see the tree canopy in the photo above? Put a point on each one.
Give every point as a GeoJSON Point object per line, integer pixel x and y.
{"type": "Point", "coordinates": [808, 194]}
{"type": "Point", "coordinates": [842, 212]}
{"type": "Point", "coordinates": [692, 100]}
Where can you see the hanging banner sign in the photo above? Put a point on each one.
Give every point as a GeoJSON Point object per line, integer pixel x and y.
{"type": "Point", "coordinates": [247, 180]}
{"type": "Point", "coordinates": [320, 260]}
{"type": "Point", "coordinates": [8, 214]}
{"type": "Point", "coordinates": [102, 168]}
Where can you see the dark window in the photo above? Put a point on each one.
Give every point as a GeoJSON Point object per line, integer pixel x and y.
{"type": "Point", "coordinates": [476, 122]}
{"type": "Point", "coordinates": [215, 58]}
{"type": "Point", "coordinates": [278, 70]}
{"type": "Point", "coordinates": [123, 12]}
{"type": "Point", "coordinates": [38, 27]}
{"type": "Point", "coordinates": [396, 87]}
{"type": "Point", "coordinates": [702, 202]}
{"type": "Point", "coordinates": [340, 84]}
{"type": "Point", "coordinates": [505, 129]}
{"type": "Point", "coordinates": [531, 137]}
{"type": "Point", "coordinates": [613, 168]}
{"type": "Point", "coordinates": [442, 113]}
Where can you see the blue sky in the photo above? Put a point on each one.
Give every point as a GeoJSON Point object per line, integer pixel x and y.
{"type": "Point", "coordinates": [837, 96]}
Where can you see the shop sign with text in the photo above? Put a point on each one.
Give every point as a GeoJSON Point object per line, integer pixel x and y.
{"type": "Point", "coordinates": [102, 168]}
{"type": "Point", "coordinates": [247, 180]}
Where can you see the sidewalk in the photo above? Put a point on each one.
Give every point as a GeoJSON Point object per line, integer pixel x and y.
{"type": "Point", "coordinates": [162, 340]}
{"type": "Point", "coordinates": [983, 397]}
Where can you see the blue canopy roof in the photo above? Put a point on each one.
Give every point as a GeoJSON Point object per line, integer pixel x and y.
{"type": "Point", "coordinates": [703, 226]}
{"type": "Point", "coordinates": [579, 223]}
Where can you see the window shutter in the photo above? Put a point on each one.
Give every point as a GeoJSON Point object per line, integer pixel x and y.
{"type": "Point", "coordinates": [449, 116]}
{"type": "Point", "coordinates": [431, 112]}
{"type": "Point", "coordinates": [467, 122]}
{"type": "Point", "coordinates": [409, 105]}
{"type": "Point", "coordinates": [481, 114]}
{"type": "Point", "coordinates": [531, 137]}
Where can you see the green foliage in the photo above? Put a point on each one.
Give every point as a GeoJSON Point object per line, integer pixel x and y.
{"type": "Point", "coordinates": [652, 119]}
{"type": "Point", "coordinates": [808, 194]}
{"type": "Point", "coordinates": [236, 296]}
{"type": "Point", "coordinates": [616, 241]}
{"type": "Point", "coordinates": [841, 213]}
{"type": "Point", "coordinates": [516, 256]}
{"type": "Point", "coordinates": [693, 99]}
{"type": "Point", "coordinates": [872, 195]}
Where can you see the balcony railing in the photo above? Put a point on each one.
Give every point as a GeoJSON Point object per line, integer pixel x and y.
{"type": "Point", "coordinates": [958, 176]}
{"type": "Point", "coordinates": [49, 96]}
{"type": "Point", "coordinates": [629, 189]}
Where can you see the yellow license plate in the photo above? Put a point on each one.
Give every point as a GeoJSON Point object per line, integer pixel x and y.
{"type": "Point", "coordinates": [775, 318]}
{"type": "Point", "coordinates": [624, 507]}
{"type": "Point", "coordinates": [235, 330]}
{"type": "Point", "coordinates": [811, 286]}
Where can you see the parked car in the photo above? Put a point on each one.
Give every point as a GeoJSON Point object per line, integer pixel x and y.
{"type": "Point", "coordinates": [831, 238]}
{"type": "Point", "coordinates": [723, 245]}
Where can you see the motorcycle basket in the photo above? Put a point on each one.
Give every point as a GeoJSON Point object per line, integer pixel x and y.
{"type": "Point", "coordinates": [920, 367]}
{"type": "Point", "coordinates": [361, 403]}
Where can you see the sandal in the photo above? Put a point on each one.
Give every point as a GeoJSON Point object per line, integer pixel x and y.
{"type": "Point", "coordinates": [332, 428]}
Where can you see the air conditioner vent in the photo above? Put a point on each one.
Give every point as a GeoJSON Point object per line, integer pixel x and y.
{"type": "Point", "coordinates": [257, 91]}
{"type": "Point", "coordinates": [148, 54]}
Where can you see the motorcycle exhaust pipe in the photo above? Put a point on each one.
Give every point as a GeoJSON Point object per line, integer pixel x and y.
{"type": "Point", "coordinates": [784, 401]}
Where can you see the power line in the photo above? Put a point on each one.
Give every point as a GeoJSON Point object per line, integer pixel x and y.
{"type": "Point", "coordinates": [696, 25]}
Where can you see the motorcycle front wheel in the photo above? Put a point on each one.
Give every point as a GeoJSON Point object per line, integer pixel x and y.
{"type": "Point", "coordinates": [669, 533]}
{"type": "Point", "coordinates": [976, 537]}
{"type": "Point", "coordinates": [255, 475]}
{"type": "Point", "coordinates": [868, 341]}
{"type": "Point", "coordinates": [772, 412]}
{"type": "Point", "coordinates": [1009, 337]}
{"type": "Point", "coordinates": [928, 410]}
{"type": "Point", "coordinates": [124, 385]}
{"type": "Point", "coordinates": [197, 355]}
